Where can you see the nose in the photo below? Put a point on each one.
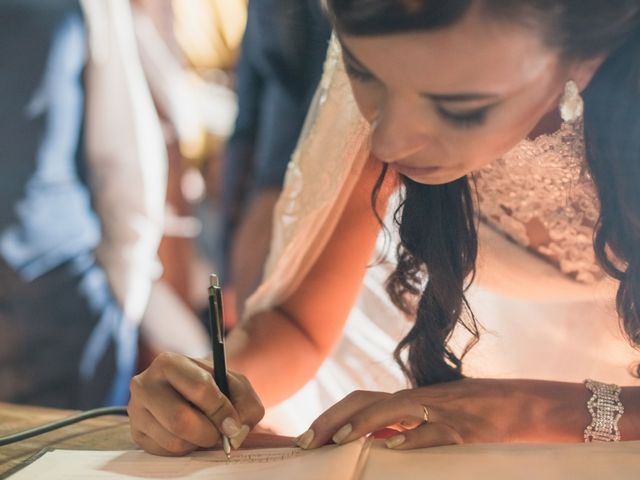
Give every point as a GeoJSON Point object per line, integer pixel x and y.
{"type": "Point", "coordinates": [398, 131]}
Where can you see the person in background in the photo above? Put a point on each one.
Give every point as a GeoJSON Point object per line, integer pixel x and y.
{"type": "Point", "coordinates": [82, 185]}
{"type": "Point", "coordinates": [188, 50]}
{"type": "Point", "coordinates": [280, 65]}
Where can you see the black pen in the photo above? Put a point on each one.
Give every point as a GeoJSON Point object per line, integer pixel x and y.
{"type": "Point", "coordinates": [216, 322]}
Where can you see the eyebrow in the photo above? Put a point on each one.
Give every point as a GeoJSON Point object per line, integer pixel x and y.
{"type": "Point", "coordinates": [436, 97]}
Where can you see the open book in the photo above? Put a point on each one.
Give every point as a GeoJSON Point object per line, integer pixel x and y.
{"type": "Point", "coordinates": [361, 460]}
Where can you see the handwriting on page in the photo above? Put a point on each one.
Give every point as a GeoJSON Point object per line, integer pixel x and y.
{"type": "Point", "coordinates": [253, 456]}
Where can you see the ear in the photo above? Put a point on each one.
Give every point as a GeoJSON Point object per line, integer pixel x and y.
{"type": "Point", "coordinates": [582, 72]}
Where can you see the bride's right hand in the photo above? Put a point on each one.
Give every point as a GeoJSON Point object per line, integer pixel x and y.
{"type": "Point", "coordinates": [176, 407]}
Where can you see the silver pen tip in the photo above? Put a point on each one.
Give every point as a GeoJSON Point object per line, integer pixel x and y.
{"type": "Point", "coordinates": [213, 280]}
{"type": "Point", "coordinates": [226, 446]}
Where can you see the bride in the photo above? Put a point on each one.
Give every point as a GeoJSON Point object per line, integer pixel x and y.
{"type": "Point", "coordinates": [496, 338]}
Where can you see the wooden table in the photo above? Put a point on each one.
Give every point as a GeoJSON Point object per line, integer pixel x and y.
{"type": "Point", "coordinates": [102, 433]}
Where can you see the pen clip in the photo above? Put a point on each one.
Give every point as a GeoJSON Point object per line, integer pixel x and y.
{"type": "Point", "coordinates": [216, 296]}
{"type": "Point", "coordinates": [218, 315]}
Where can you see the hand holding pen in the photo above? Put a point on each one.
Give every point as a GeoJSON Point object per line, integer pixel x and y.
{"type": "Point", "coordinates": [176, 406]}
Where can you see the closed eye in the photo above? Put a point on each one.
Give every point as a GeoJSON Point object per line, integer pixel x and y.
{"type": "Point", "coordinates": [469, 119]}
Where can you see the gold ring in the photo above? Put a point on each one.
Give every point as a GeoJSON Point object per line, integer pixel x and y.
{"type": "Point", "coordinates": [425, 414]}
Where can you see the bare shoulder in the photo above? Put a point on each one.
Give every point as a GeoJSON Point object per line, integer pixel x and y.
{"type": "Point", "coordinates": [323, 300]}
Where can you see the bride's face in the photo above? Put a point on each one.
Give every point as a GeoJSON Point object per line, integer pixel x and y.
{"type": "Point", "coordinates": [446, 102]}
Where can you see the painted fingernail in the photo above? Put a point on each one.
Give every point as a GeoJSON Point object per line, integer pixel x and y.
{"type": "Point", "coordinates": [305, 439]}
{"type": "Point", "coordinates": [239, 437]}
{"type": "Point", "coordinates": [230, 427]}
{"type": "Point", "coordinates": [341, 435]}
{"type": "Point", "coordinates": [395, 441]}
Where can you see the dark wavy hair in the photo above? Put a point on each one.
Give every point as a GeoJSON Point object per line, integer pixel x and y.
{"type": "Point", "coordinates": [437, 223]}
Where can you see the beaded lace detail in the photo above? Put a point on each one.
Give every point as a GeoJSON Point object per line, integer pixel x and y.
{"type": "Point", "coordinates": [541, 196]}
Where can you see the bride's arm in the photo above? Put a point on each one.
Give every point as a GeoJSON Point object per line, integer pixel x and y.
{"type": "Point", "coordinates": [281, 349]}
{"type": "Point", "coordinates": [472, 410]}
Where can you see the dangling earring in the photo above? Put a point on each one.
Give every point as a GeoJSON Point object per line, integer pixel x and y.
{"type": "Point", "coordinates": [572, 129]}
{"type": "Point", "coordinates": [571, 103]}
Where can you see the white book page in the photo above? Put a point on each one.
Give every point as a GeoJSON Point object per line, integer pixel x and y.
{"type": "Point", "coordinates": [596, 461]}
{"type": "Point", "coordinates": [331, 462]}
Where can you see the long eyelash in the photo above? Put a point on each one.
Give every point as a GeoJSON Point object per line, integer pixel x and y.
{"type": "Point", "coordinates": [357, 73]}
{"type": "Point", "coordinates": [464, 120]}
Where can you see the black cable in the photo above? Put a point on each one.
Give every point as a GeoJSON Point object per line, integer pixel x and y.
{"type": "Point", "coordinates": [49, 427]}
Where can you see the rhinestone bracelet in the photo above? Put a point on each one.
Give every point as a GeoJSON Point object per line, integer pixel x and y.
{"type": "Point", "coordinates": [605, 409]}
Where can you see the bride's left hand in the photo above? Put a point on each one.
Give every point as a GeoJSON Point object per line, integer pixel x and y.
{"type": "Point", "coordinates": [463, 411]}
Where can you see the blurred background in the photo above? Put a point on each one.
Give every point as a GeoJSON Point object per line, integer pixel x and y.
{"type": "Point", "coordinates": [143, 145]}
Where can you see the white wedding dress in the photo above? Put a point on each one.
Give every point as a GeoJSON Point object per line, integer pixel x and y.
{"type": "Point", "coordinates": [545, 308]}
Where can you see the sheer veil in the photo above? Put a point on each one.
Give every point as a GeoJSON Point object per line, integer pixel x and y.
{"type": "Point", "coordinates": [321, 175]}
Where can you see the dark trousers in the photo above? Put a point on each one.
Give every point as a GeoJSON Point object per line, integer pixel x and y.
{"type": "Point", "coordinates": [63, 339]}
